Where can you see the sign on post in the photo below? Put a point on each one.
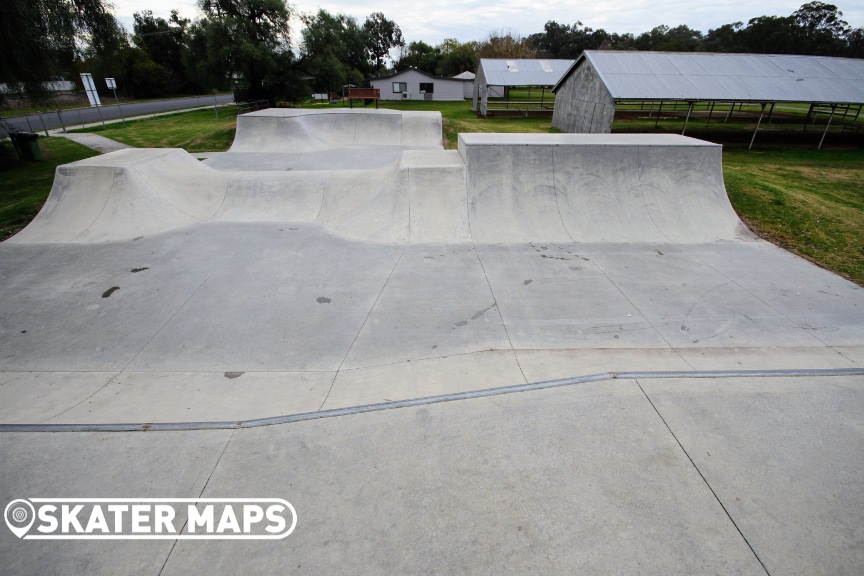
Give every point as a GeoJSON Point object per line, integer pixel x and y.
{"type": "Point", "coordinates": [90, 88]}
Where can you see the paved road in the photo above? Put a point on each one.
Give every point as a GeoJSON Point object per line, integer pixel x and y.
{"type": "Point", "coordinates": [78, 116]}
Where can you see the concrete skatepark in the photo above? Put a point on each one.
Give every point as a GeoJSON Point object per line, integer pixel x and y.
{"type": "Point", "coordinates": [536, 353]}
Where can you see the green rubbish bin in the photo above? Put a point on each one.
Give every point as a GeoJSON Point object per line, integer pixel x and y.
{"type": "Point", "coordinates": [27, 145]}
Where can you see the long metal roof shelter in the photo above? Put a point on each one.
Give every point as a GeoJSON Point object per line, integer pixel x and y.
{"type": "Point", "coordinates": [706, 76]}
{"type": "Point", "coordinates": [601, 79]}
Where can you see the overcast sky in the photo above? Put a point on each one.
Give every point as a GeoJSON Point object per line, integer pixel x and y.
{"type": "Point", "coordinates": [432, 21]}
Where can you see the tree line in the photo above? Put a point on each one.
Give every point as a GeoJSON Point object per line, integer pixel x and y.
{"type": "Point", "coordinates": [247, 46]}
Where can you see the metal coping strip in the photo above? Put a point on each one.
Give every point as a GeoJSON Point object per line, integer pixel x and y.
{"type": "Point", "coordinates": [352, 410]}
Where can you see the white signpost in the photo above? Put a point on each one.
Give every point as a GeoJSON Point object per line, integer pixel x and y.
{"type": "Point", "coordinates": [90, 88]}
{"type": "Point", "coordinates": [112, 85]}
{"type": "Point", "coordinates": [92, 95]}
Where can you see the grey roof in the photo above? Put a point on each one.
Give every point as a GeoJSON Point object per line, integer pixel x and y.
{"type": "Point", "coordinates": [523, 72]}
{"type": "Point", "coordinates": [410, 69]}
{"type": "Point", "coordinates": [732, 77]}
{"type": "Point", "coordinates": [467, 75]}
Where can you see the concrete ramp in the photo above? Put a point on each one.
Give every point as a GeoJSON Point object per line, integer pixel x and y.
{"type": "Point", "coordinates": [597, 188]}
{"type": "Point", "coordinates": [289, 130]}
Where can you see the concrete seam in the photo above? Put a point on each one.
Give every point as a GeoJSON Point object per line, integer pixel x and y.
{"type": "Point", "coordinates": [793, 322]}
{"type": "Point", "coordinates": [179, 308]}
{"type": "Point", "coordinates": [323, 196]}
{"type": "Point", "coordinates": [701, 475]}
{"type": "Point", "coordinates": [365, 320]}
{"type": "Point", "coordinates": [620, 291]}
{"type": "Point", "coordinates": [557, 203]}
{"type": "Point", "coordinates": [200, 494]}
{"type": "Point", "coordinates": [425, 401]}
{"type": "Point", "coordinates": [500, 315]}
{"type": "Point", "coordinates": [95, 392]}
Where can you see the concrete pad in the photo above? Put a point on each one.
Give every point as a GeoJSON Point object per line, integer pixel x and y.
{"type": "Point", "coordinates": [94, 141]}
{"type": "Point", "coordinates": [422, 378]}
{"type": "Point", "coordinates": [586, 480]}
{"type": "Point", "coordinates": [29, 397]}
{"type": "Point", "coordinates": [784, 457]}
{"type": "Point", "coordinates": [436, 303]}
{"type": "Point", "coordinates": [109, 466]}
{"type": "Point", "coordinates": [854, 353]}
{"type": "Point", "coordinates": [542, 365]}
{"type": "Point", "coordinates": [297, 301]}
{"type": "Point", "coordinates": [775, 358]}
{"type": "Point", "coordinates": [200, 397]}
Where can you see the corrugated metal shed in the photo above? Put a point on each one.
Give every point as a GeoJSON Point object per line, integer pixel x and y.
{"type": "Point", "coordinates": [731, 77]}
{"type": "Point", "coordinates": [523, 72]}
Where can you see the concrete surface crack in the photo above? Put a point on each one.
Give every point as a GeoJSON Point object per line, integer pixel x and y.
{"type": "Point", "coordinates": [701, 475]}
{"type": "Point", "coordinates": [500, 315]}
{"type": "Point", "coordinates": [200, 495]}
{"type": "Point", "coordinates": [365, 320]}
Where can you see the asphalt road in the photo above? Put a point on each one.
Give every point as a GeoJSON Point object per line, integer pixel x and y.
{"type": "Point", "coordinates": [78, 116]}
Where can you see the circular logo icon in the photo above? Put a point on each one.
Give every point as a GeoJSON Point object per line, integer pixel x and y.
{"type": "Point", "coordinates": [19, 515]}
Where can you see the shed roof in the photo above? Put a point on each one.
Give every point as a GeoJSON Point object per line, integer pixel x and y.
{"type": "Point", "coordinates": [499, 72]}
{"type": "Point", "coordinates": [731, 77]}
{"type": "Point", "coordinates": [412, 69]}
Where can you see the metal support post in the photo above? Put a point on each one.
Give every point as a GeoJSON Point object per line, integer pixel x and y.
{"type": "Point", "coordinates": [710, 112]}
{"type": "Point", "coordinates": [42, 120]}
{"type": "Point", "coordinates": [758, 122]}
{"type": "Point", "coordinates": [119, 109]}
{"type": "Point", "coordinates": [658, 114]}
{"type": "Point", "coordinates": [826, 127]}
{"type": "Point", "coordinates": [689, 111]}
{"type": "Point", "coordinates": [60, 117]}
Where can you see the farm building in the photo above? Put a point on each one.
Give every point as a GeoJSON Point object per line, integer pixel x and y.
{"type": "Point", "coordinates": [499, 79]}
{"type": "Point", "coordinates": [413, 84]}
{"type": "Point", "coordinates": [467, 79]}
{"type": "Point", "coordinates": [599, 81]}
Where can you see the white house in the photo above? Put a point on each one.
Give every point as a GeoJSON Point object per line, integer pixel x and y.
{"type": "Point", "coordinates": [413, 84]}
{"type": "Point", "coordinates": [467, 78]}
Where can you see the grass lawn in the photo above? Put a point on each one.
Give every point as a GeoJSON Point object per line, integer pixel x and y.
{"type": "Point", "coordinates": [808, 201]}
{"type": "Point", "coordinates": [196, 131]}
{"type": "Point", "coordinates": [24, 186]}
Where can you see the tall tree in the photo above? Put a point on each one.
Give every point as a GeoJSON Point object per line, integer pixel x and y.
{"type": "Point", "coordinates": [246, 38]}
{"type": "Point", "coordinates": [164, 41]}
{"type": "Point", "coordinates": [43, 38]}
{"type": "Point", "coordinates": [382, 35]}
{"type": "Point", "coordinates": [333, 51]}
{"type": "Point", "coordinates": [419, 55]}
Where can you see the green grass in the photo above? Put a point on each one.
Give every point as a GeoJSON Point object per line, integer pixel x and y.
{"type": "Point", "coordinates": [195, 131]}
{"type": "Point", "coordinates": [24, 186]}
{"type": "Point", "coordinates": [810, 202]}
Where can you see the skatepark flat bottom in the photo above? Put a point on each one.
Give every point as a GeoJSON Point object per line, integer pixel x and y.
{"type": "Point", "coordinates": [142, 330]}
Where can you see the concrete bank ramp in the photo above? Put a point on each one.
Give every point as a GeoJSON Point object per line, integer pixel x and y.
{"type": "Point", "coordinates": [596, 188]}
{"type": "Point", "coordinates": [497, 188]}
{"type": "Point", "coordinates": [295, 130]}
{"type": "Point", "coordinates": [138, 192]}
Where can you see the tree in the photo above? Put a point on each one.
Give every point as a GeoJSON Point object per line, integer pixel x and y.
{"type": "Point", "coordinates": [164, 42]}
{"type": "Point", "coordinates": [505, 44]}
{"type": "Point", "coordinates": [333, 51]}
{"type": "Point", "coordinates": [456, 57]}
{"type": "Point", "coordinates": [820, 29]}
{"type": "Point", "coordinates": [381, 36]}
{"type": "Point", "coordinates": [419, 55]}
{"type": "Point", "coordinates": [43, 38]}
{"type": "Point", "coordinates": [246, 39]}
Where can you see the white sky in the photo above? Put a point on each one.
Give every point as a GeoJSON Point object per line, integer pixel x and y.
{"type": "Point", "coordinates": [432, 21]}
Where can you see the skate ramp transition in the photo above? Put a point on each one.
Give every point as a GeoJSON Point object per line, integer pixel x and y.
{"type": "Point", "coordinates": [497, 188]}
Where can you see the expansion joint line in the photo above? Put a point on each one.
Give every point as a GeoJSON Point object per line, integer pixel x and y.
{"type": "Point", "coordinates": [635, 307]}
{"type": "Point", "coordinates": [500, 315]}
{"type": "Point", "coordinates": [200, 495]}
{"type": "Point", "coordinates": [701, 475]}
{"type": "Point", "coordinates": [360, 330]}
